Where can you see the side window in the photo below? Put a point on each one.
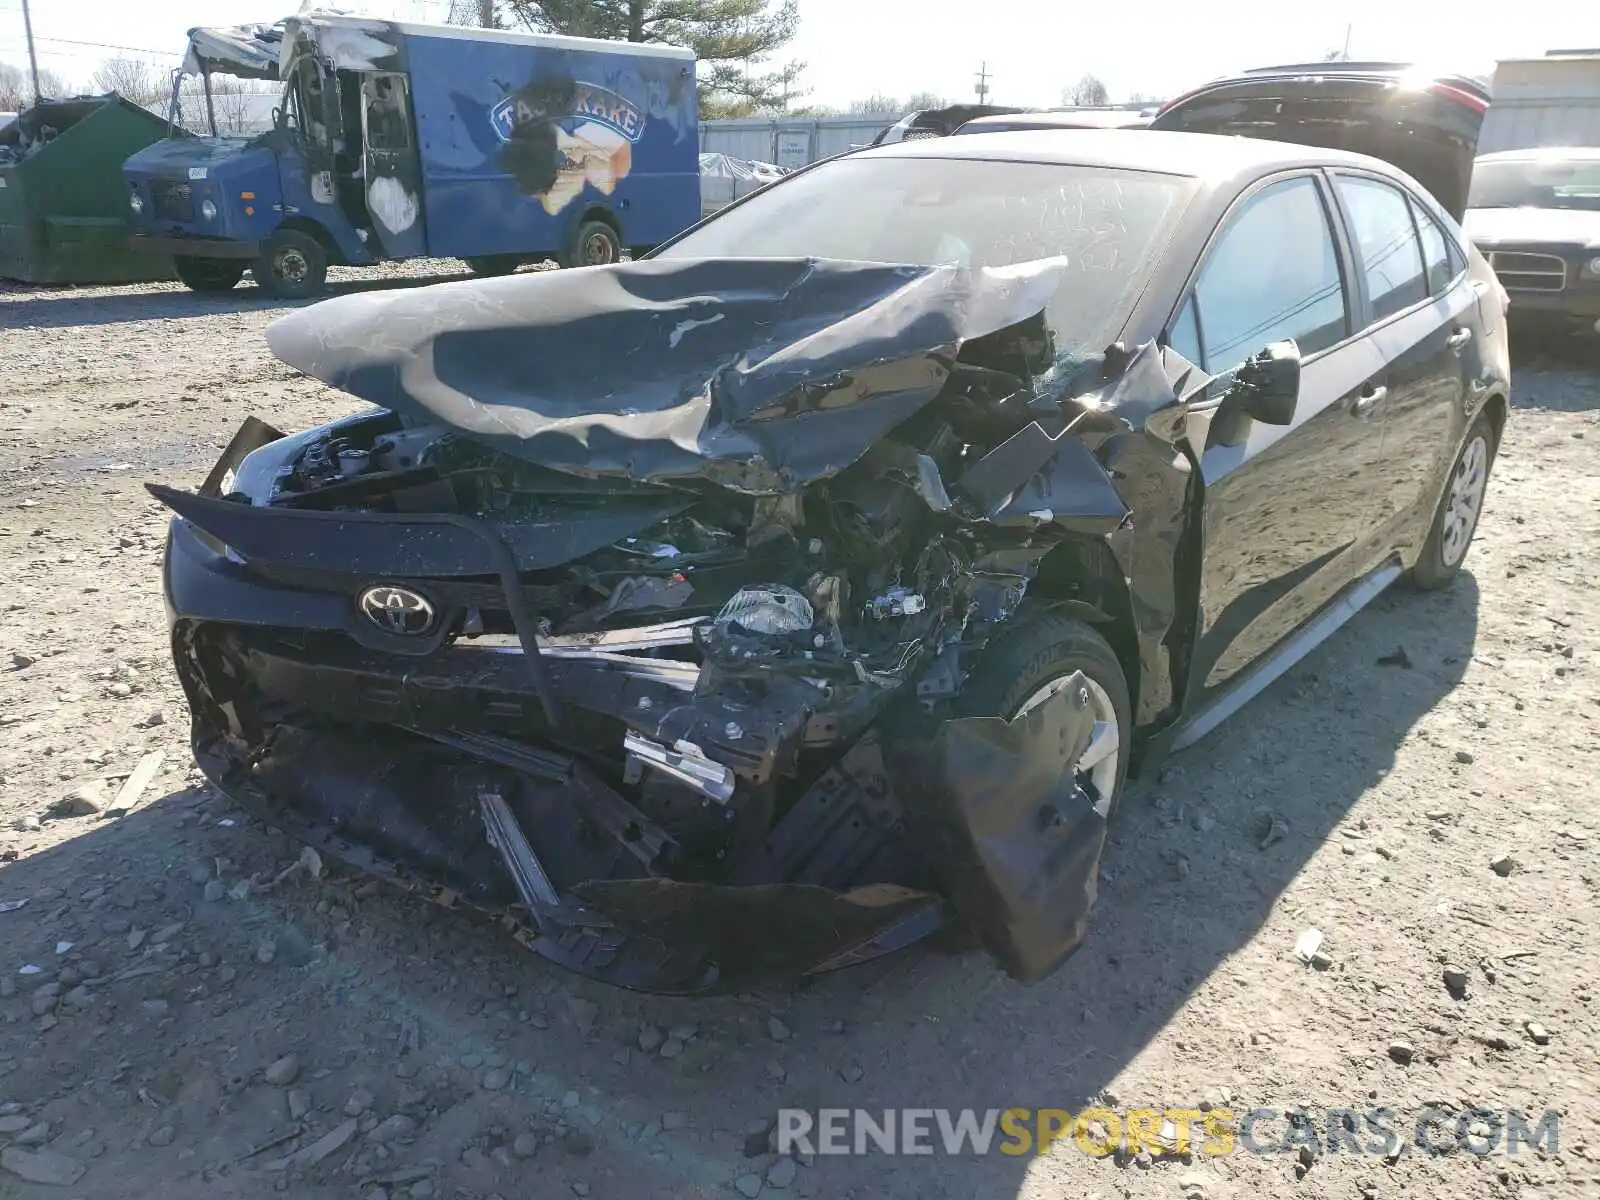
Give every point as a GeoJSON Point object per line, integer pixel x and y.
{"type": "Point", "coordinates": [1273, 274]}
{"type": "Point", "coordinates": [387, 122]}
{"type": "Point", "coordinates": [1185, 335]}
{"type": "Point", "coordinates": [1436, 260]}
{"type": "Point", "coordinates": [1386, 244]}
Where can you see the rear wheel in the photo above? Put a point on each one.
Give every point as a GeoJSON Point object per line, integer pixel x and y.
{"type": "Point", "coordinates": [594, 245]}
{"type": "Point", "coordinates": [1456, 518]}
{"type": "Point", "coordinates": [292, 265]}
{"type": "Point", "coordinates": [494, 264]}
{"type": "Point", "coordinates": [208, 274]}
{"type": "Point", "coordinates": [1035, 659]}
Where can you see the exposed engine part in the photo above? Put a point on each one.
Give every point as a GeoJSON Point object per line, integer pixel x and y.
{"type": "Point", "coordinates": [771, 610]}
{"type": "Point", "coordinates": [407, 448]}
{"type": "Point", "coordinates": [684, 761]}
{"type": "Point", "coordinates": [896, 602]}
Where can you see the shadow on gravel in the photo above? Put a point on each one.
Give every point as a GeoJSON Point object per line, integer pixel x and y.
{"type": "Point", "coordinates": [1536, 351]}
{"type": "Point", "coordinates": [65, 308]}
{"type": "Point", "coordinates": [1302, 754]}
{"type": "Point", "coordinates": [1188, 885]}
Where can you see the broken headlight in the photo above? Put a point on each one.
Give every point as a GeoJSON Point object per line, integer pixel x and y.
{"type": "Point", "coordinates": [259, 471]}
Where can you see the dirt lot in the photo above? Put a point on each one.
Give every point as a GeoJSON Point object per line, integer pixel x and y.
{"type": "Point", "coordinates": [177, 1023]}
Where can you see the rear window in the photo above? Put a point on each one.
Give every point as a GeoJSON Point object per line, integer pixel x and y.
{"type": "Point", "coordinates": [1110, 225]}
{"type": "Point", "coordinates": [1386, 244]}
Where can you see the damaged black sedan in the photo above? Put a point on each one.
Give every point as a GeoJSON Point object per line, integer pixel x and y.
{"type": "Point", "coordinates": [761, 606]}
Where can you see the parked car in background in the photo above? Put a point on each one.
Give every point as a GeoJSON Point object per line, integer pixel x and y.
{"type": "Point", "coordinates": [1426, 123]}
{"type": "Point", "coordinates": [819, 579]}
{"type": "Point", "coordinates": [1535, 214]}
{"type": "Point", "coordinates": [938, 122]}
{"type": "Point", "coordinates": [1059, 118]}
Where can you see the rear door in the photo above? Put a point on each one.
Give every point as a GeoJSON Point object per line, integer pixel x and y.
{"type": "Point", "coordinates": [1422, 318]}
{"type": "Point", "coordinates": [1428, 129]}
{"type": "Point", "coordinates": [1288, 509]}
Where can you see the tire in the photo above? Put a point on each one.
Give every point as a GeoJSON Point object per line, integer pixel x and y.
{"type": "Point", "coordinates": [595, 244]}
{"type": "Point", "coordinates": [1042, 646]}
{"type": "Point", "coordinates": [292, 265]}
{"type": "Point", "coordinates": [1450, 536]}
{"type": "Point", "coordinates": [489, 265]}
{"type": "Point", "coordinates": [208, 274]}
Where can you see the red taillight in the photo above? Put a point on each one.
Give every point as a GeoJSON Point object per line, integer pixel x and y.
{"type": "Point", "coordinates": [1461, 96]}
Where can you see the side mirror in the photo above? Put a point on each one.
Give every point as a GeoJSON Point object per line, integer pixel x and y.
{"type": "Point", "coordinates": [1267, 387]}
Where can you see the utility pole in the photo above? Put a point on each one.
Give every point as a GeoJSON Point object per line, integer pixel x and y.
{"type": "Point", "coordinates": [983, 82]}
{"type": "Point", "coordinates": [33, 61]}
{"type": "Point", "coordinates": [1347, 32]}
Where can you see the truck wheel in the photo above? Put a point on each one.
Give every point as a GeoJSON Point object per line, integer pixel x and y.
{"type": "Point", "coordinates": [594, 245]}
{"type": "Point", "coordinates": [494, 264]}
{"type": "Point", "coordinates": [1039, 652]}
{"type": "Point", "coordinates": [1456, 518]}
{"type": "Point", "coordinates": [208, 274]}
{"type": "Point", "coordinates": [292, 265]}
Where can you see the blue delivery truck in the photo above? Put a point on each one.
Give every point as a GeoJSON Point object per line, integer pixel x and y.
{"type": "Point", "coordinates": [395, 140]}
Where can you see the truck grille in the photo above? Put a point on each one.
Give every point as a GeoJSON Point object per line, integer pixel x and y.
{"type": "Point", "coordinates": [172, 200]}
{"type": "Point", "coordinates": [1529, 272]}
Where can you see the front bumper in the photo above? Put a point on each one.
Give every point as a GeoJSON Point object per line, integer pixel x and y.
{"type": "Point", "coordinates": [622, 810]}
{"type": "Point", "coordinates": [193, 247]}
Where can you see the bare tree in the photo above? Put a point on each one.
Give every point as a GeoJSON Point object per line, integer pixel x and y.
{"type": "Point", "coordinates": [16, 88]}
{"type": "Point", "coordinates": [135, 80]}
{"type": "Point", "coordinates": [1088, 92]}
{"type": "Point", "coordinates": [921, 100]}
{"type": "Point", "coordinates": [876, 105]}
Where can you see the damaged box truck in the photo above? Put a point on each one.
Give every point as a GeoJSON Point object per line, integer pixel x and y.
{"type": "Point", "coordinates": [397, 141]}
{"type": "Point", "coordinates": [759, 607]}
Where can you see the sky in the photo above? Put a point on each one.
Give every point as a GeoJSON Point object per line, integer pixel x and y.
{"type": "Point", "coordinates": [1031, 49]}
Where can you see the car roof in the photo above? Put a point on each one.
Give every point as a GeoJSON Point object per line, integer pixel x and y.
{"type": "Point", "coordinates": [1208, 157]}
{"type": "Point", "coordinates": [1544, 154]}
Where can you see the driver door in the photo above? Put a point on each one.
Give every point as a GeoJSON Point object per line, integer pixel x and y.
{"type": "Point", "coordinates": [391, 170]}
{"type": "Point", "coordinates": [1288, 510]}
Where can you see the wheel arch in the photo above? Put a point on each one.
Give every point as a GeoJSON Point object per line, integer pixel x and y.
{"type": "Point", "coordinates": [1080, 578]}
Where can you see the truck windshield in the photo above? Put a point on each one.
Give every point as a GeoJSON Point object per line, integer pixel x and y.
{"type": "Point", "coordinates": [1110, 224]}
{"type": "Point", "coordinates": [1537, 183]}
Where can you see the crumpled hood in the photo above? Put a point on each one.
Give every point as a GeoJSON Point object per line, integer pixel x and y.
{"type": "Point", "coordinates": [1556, 226]}
{"type": "Point", "coordinates": [761, 375]}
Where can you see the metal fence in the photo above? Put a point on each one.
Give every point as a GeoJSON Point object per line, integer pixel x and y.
{"type": "Point", "coordinates": [788, 141]}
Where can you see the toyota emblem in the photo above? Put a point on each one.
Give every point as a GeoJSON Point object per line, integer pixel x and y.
{"type": "Point", "coordinates": [397, 610]}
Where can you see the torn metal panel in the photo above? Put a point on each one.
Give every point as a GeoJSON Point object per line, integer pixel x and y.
{"type": "Point", "coordinates": [1014, 838]}
{"type": "Point", "coordinates": [246, 51]}
{"type": "Point", "coordinates": [761, 375]}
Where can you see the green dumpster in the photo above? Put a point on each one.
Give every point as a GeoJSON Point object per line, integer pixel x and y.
{"type": "Point", "coordinates": [63, 204]}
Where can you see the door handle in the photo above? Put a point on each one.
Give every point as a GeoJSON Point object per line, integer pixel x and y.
{"type": "Point", "coordinates": [1369, 399]}
{"type": "Point", "coordinates": [1458, 340]}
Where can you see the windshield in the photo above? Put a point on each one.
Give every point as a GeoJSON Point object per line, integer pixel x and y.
{"type": "Point", "coordinates": [1109, 224]}
{"type": "Point", "coordinates": [1537, 183]}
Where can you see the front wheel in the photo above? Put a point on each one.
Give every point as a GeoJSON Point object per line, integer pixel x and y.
{"type": "Point", "coordinates": [594, 245]}
{"type": "Point", "coordinates": [1456, 519]}
{"type": "Point", "coordinates": [1032, 660]}
{"type": "Point", "coordinates": [292, 265]}
{"type": "Point", "coordinates": [208, 274]}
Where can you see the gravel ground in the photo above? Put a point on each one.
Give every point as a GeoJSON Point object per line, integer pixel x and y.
{"type": "Point", "coordinates": [187, 1011]}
